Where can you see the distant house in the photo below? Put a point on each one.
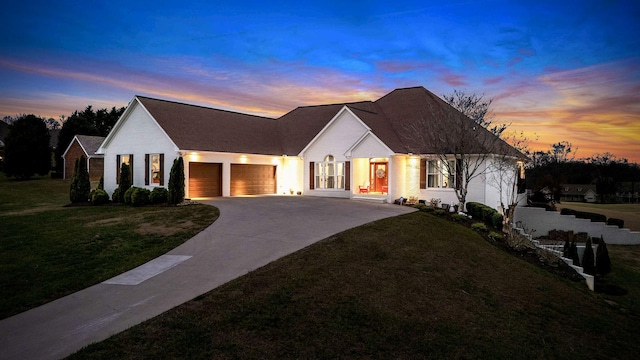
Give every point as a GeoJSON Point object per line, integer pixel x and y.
{"type": "Point", "coordinates": [84, 145]}
{"type": "Point", "coordinates": [349, 150]}
{"type": "Point", "coordinates": [579, 192]}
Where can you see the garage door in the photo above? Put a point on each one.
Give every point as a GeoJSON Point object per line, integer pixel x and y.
{"type": "Point", "coordinates": [247, 179]}
{"type": "Point", "coordinates": [205, 180]}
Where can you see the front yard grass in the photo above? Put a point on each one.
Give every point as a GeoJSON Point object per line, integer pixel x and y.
{"type": "Point", "coordinates": [409, 287]}
{"type": "Point", "coordinates": [48, 251]}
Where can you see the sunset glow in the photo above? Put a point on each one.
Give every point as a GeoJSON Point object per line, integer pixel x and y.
{"type": "Point", "coordinates": [562, 70]}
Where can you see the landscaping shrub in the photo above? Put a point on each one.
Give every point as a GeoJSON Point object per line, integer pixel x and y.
{"type": "Point", "coordinates": [573, 253]}
{"type": "Point", "coordinates": [603, 262]}
{"type": "Point", "coordinates": [479, 226]}
{"type": "Point", "coordinates": [459, 217]}
{"type": "Point", "coordinates": [115, 197]}
{"type": "Point", "coordinates": [440, 212]}
{"type": "Point", "coordinates": [176, 182]}
{"type": "Point", "coordinates": [127, 195]}
{"type": "Point", "coordinates": [496, 220]}
{"type": "Point", "coordinates": [140, 196]}
{"type": "Point", "coordinates": [159, 195]}
{"type": "Point", "coordinates": [125, 181]}
{"type": "Point", "coordinates": [495, 236]}
{"type": "Point", "coordinates": [565, 211]}
{"type": "Point", "coordinates": [587, 259]}
{"type": "Point", "coordinates": [99, 197]}
{"type": "Point", "coordinates": [101, 183]}
{"type": "Point", "coordinates": [80, 184]}
{"type": "Point", "coordinates": [566, 249]}
{"type": "Point", "coordinates": [591, 216]}
{"type": "Point", "coordinates": [428, 209]}
{"type": "Point", "coordinates": [618, 222]}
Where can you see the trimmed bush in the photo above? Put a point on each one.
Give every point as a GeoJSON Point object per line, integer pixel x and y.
{"type": "Point", "coordinates": [495, 236]}
{"type": "Point", "coordinates": [459, 217]}
{"type": "Point", "coordinates": [591, 216]}
{"type": "Point", "coordinates": [115, 197]}
{"type": "Point", "coordinates": [176, 182]}
{"type": "Point", "coordinates": [496, 220]}
{"type": "Point", "coordinates": [565, 211]}
{"type": "Point", "coordinates": [159, 195]}
{"type": "Point", "coordinates": [125, 181]}
{"type": "Point", "coordinates": [127, 195]}
{"type": "Point", "coordinates": [618, 222]}
{"type": "Point", "coordinates": [140, 197]}
{"type": "Point", "coordinates": [573, 252]}
{"type": "Point", "coordinates": [80, 184]}
{"type": "Point", "coordinates": [101, 183]}
{"type": "Point", "coordinates": [440, 212]}
{"type": "Point", "coordinates": [603, 262]}
{"type": "Point", "coordinates": [428, 209]}
{"type": "Point", "coordinates": [587, 259]}
{"type": "Point", "coordinates": [479, 226]}
{"type": "Point", "coordinates": [99, 197]}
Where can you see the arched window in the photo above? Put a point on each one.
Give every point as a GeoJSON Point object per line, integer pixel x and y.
{"type": "Point", "coordinates": [329, 173]}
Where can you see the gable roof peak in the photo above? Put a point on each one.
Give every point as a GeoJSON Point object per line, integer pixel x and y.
{"type": "Point", "coordinates": [141, 97]}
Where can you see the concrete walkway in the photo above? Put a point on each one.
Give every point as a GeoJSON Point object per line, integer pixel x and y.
{"type": "Point", "coordinates": [251, 232]}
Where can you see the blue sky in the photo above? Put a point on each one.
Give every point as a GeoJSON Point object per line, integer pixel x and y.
{"type": "Point", "coordinates": [564, 70]}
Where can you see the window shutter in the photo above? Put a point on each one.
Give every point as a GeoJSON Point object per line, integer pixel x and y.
{"type": "Point", "coordinates": [146, 169]}
{"type": "Point", "coordinates": [117, 169]}
{"type": "Point", "coordinates": [161, 169]}
{"type": "Point", "coordinates": [347, 175]}
{"type": "Point", "coordinates": [458, 173]}
{"type": "Point", "coordinates": [311, 175]}
{"type": "Point", "coordinates": [131, 167]}
{"type": "Point", "coordinates": [423, 174]}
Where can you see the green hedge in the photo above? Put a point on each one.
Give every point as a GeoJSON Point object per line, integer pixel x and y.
{"type": "Point", "coordinates": [617, 222]}
{"type": "Point", "coordinates": [485, 213]}
{"type": "Point", "coordinates": [140, 197]}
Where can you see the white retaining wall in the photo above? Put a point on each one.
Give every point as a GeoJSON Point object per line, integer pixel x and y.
{"type": "Point", "coordinates": [543, 221]}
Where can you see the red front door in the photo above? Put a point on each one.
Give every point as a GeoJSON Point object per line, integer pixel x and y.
{"type": "Point", "coordinates": [378, 177]}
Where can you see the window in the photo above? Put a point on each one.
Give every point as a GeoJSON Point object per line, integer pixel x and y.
{"type": "Point", "coordinates": [440, 175]}
{"type": "Point", "coordinates": [124, 159]}
{"type": "Point", "coordinates": [154, 167]}
{"type": "Point", "coordinates": [330, 174]}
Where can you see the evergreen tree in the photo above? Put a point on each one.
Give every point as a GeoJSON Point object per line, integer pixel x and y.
{"type": "Point", "coordinates": [587, 259]}
{"type": "Point", "coordinates": [125, 181]}
{"type": "Point", "coordinates": [27, 149]}
{"type": "Point", "coordinates": [101, 183]}
{"type": "Point", "coordinates": [603, 262]}
{"type": "Point", "coordinates": [573, 250]}
{"type": "Point", "coordinates": [80, 183]}
{"type": "Point", "coordinates": [176, 182]}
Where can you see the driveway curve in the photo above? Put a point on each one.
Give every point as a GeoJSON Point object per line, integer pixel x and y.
{"type": "Point", "coordinates": [250, 233]}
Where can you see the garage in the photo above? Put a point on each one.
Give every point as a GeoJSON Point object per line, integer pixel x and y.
{"type": "Point", "coordinates": [249, 179]}
{"type": "Point", "coordinates": [205, 180]}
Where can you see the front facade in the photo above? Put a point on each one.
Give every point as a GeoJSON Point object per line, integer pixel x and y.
{"type": "Point", "coordinates": [342, 150]}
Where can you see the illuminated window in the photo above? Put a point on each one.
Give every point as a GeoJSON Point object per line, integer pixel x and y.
{"type": "Point", "coordinates": [441, 175]}
{"type": "Point", "coordinates": [329, 174]}
{"type": "Point", "coordinates": [154, 165]}
{"type": "Point", "coordinates": [124, 159]}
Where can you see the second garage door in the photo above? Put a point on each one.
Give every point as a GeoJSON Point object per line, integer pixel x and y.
{"type": "Point", "coordinates": [248, 179]}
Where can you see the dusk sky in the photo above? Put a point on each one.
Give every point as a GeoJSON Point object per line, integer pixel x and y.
{"type": "Point", "coordinates": [564, 70]}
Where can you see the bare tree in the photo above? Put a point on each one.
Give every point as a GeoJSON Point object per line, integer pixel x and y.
{"type": "Point", "coordinates": [504, 173]}
{"type": "Point", "coordinates": [458, 139]}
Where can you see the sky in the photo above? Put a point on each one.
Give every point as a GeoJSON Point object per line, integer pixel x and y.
{"type": "Point", "coordinates": [557, 70]}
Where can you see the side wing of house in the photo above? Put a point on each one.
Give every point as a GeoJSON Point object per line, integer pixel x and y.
{"type": "Point", "coordinates": [73, 152]}
{"type": "Point", "coordinates": [140, 142]}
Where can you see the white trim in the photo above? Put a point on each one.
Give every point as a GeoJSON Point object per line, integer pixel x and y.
{"type": "Point", "coordinates": [123, 118]}
{"type": "Point", "coordinates": [326, 127]}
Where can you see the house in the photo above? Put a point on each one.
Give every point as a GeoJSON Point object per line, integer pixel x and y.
{"type": "Point", "coordinates": [579, 192]}
{"type": "Point", "coordinates": [351, 150]}
{"type": "Point", "coordinates": [84, 145]}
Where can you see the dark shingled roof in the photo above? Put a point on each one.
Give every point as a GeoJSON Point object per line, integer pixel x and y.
{"type": "Point", "coordinates": [194, 127]}
{"type": "Point", "coordinates": [90, 143]}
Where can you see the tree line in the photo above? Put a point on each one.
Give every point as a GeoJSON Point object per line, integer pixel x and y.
{"type": "Point", "coordinates": [27, 151]}
{"type": "Point", "coordinates": [558, 166]}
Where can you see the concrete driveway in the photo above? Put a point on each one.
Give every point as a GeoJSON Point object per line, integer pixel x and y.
{"type": "Point", "coordinates": [251, 232]}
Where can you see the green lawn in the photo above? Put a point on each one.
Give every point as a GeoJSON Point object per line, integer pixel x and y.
{"type": "Point", "coordinates": [48, 250]}
{"type": "Point", "coordinates": [409, 287]}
